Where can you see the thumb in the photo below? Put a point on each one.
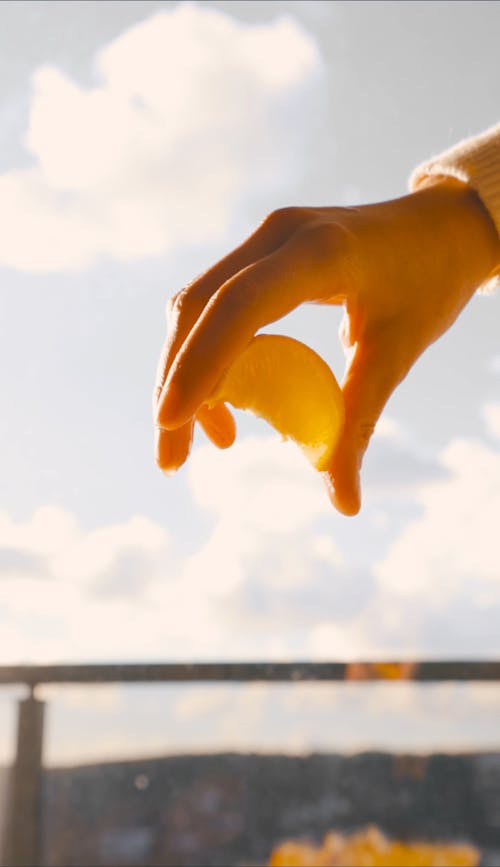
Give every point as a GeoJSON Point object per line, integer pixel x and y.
{"type": "Point", "coordinates": [371, 377]}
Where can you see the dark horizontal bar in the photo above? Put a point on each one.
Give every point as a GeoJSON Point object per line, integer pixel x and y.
{"type": "Point", "coordinates": [236, 672]}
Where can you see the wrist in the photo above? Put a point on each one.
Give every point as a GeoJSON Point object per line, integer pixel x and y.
{"type": "Point", "coordinates": [467, 223]}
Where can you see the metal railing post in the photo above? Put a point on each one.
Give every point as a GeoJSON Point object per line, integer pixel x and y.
{"type": "Point", "coordinates": [22, 837]}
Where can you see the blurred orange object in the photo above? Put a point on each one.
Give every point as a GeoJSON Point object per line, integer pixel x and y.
{"type": "Point", "coordinates": [371, 848]}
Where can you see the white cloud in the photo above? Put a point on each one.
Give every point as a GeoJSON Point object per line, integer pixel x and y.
{"type": "Point", "coordinates": [270, 580]}
{"type": "Point", "coordinates": [388, 428]}
{"type": "Point", "coordinates": [343, 641]}
{"type": "Point", "coordinates": [269, 566]}
{"type": "Point", "coordinates": [259, 567]}
{"type": "Point", "coordinates": [50, 530]}
{"type": "Point", "coordinates": [267, 562]}
{"type": "Point", "coordinates": [273, 577]}
{"type": "Point", "coordinates": [317, 716]}
{"type": "Point", "coordinates": [102, 723]}
{"type": "Point", "coordinates": [456, 537]}
{"type": "Point", "coordinates": [51, 546]}
{"type": "Point", "coordinates": [262, 483]}
{"type": "Point", "coordinates": [396, 463]}
{"type": "Point", "coordinates": [97, 557]}
{"type": "Point", "coordinates": [438, 586]}
{"type": "Point", "coordinates": [16, 562]}
{"type": "Point", "coordinates": [106, 697]}
{"type": "Point", "coordinates": [193, 111]}
{"type": "Point", "coordinates": [82, 602]}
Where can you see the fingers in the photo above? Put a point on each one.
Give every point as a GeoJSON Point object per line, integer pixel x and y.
{"type": "Point", "coordinates": [300, 270]}
{"type": "Point", "coordinates": [218, 424]}
{"type": "Point", "coordinates": [183, 312]}
{"type": "Point", "coordinates": [372, 374]}
{"type": "Point", "coordinates": [187, 306]}
{"type": "Point", "coordinates": [172, 447]}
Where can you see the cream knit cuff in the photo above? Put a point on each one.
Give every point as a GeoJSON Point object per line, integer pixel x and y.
{"type": "Point", "coordinates": [475, 161]}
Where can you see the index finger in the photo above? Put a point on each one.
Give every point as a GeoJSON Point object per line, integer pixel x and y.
{"type": "Point", "coordinates": [172, 447]}
{"type": "Point", "coordinates": [257, 295]}
{"type": "Point", "coordinates": [187, 306]}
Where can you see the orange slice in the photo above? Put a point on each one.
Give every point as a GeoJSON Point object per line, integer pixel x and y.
{"type": "Point", "coordinates": [289, 385]}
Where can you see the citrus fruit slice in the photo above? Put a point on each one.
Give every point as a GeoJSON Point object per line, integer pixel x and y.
{"type": "Point", "coordinates": [289, 385]}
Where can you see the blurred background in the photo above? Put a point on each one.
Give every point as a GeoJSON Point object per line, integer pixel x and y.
{"type": "Point", "coordinates": [139, 143]}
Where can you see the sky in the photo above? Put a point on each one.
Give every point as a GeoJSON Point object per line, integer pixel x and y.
{"type": "Point", "coordinates": [139, 143]}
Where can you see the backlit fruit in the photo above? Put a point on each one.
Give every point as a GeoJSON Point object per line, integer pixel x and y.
{"type": "Point", "coordinates": [289, 385]}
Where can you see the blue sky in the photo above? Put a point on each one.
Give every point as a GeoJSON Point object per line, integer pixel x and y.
{"type": "Point", "coordinates": [140, 142]}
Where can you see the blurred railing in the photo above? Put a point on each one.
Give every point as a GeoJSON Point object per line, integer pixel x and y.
{"type": "Point", "coordinates": [22, 833]}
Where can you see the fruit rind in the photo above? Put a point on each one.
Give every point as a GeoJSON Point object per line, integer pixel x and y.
{"type": "Point", "coordinates": [312, 417]}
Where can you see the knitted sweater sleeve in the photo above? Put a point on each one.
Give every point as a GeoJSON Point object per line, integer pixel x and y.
{"type": "Point", "coordinates": [475, 161]}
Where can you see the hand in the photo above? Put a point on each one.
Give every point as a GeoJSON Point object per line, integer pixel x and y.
{"type": "Point", "coordinates": [403, 269]}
